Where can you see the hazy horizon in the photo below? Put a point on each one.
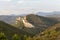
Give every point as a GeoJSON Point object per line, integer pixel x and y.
{"type": "Point", "coordinates": [17, 7]}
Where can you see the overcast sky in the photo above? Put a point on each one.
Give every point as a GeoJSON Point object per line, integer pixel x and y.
{"type": "Point", "coordinates": [28, 6]}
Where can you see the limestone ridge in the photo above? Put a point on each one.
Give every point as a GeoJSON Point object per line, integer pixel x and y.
{"type": "Point", "coordinates": [24, 21]}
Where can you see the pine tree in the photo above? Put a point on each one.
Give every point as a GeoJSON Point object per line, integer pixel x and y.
{"type": "Point", "coordinates": [3, 36]}
{"type": "Point", "coordinates": [16, 37]}
{"type": "Point", "coordinates": [25, 37]}
{"type": "Point", "coordinates": [53, 35]}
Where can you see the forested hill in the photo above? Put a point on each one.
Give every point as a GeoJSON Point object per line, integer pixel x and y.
{"type": "Point", "coordinates": [11, 30]}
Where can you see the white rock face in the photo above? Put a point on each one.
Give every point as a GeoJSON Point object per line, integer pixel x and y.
{"type": "Point", "coordinates": [18, 20]}
{"type": "Point", "coordinates": [25, 22]}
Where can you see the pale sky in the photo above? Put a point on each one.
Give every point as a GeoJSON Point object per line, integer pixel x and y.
{"type": "Point", "coordinates": [28, 6]}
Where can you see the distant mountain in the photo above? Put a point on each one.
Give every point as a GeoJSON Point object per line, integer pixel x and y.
{"type": "Point", "coordinates": [53, 15]}
{"type": "Point", "coordinates": [56, 16]}
{"type": "Point", "coordinates": [47, 13]}
{"type": "Point", "coordinates": [8, 18]}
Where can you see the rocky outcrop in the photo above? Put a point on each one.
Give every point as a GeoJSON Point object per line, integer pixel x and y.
{"type": "Point", "coordinates": [24, 21]}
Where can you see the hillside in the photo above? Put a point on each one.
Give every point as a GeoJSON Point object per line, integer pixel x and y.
{"type": "Point", "coordinates": [40, 20]}
{"type": "Point", "coordinates": [51, 33]}
{"type": "Point", "coordinates": [40, 23]}
{"type": "Point", "coordinates": [11, 30]}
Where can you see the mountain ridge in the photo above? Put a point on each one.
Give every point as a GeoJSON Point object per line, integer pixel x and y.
{"type": "Point", "coordinates": [40, 23]}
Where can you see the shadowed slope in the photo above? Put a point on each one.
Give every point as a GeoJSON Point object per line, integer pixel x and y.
{"type": "Point", "coordinates": [10, 30]}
